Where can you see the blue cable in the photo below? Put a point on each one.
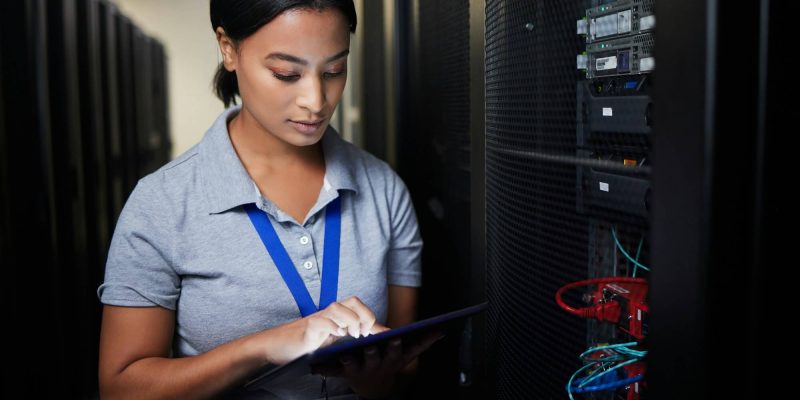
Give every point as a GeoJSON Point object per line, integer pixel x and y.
{"type": "Point", "coordinates": [624, 356]}
{"type": "Point", "coordinates": [620, 365]}
{"type": "Point", "coordinates": [615, 384]}
{"type": "Point", "coordinates": [571, 378]}
{"type": "Point", "coordinates": [625, 253]}
{"type": "Point", "coordinates": [607, 347]}
{"type": "Point", "coordinates": [638, 253]}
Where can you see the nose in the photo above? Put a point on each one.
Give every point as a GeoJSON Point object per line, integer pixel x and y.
{"type": "Point", "coordinates": [312, 96]}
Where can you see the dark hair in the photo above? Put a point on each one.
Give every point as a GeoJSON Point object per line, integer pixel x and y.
{"type": "Point", "coordinates": [242, 18]}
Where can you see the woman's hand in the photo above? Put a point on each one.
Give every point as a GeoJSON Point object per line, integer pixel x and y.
{"type": "Point", "coordinates": [348, 317]}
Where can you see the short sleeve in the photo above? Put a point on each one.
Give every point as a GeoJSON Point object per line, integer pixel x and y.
{"type": "Point", "coordinates": [139, 272]}
{"type": "Point", "coordinates": [405, 251]}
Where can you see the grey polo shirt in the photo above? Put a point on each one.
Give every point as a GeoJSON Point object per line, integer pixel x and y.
{"type": "Point", "coordinates": [184, 242]}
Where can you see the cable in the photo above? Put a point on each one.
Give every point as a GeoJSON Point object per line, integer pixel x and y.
{"type": "Point", "coordinates": [625, 253]}
{"type": "Point", "coordinates": [607, 347]}
{"type": "Point", "coordinates": [610, 308]}
{"type": "Point", "coordinates": [638, 253]}
{"type": "Point", "coordinates": [616, 356]}
{"type": "Point", "coordinates": [569, 383]}
{"type": "Point", "coordinates": [631, 361]}
{"type": "Point", "coordinates": [616, 384]}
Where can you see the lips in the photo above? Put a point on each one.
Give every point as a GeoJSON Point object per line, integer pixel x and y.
{"type": "Point", "coordinates": [306, 126]}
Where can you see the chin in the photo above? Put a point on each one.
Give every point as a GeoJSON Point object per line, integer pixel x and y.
{"type": "Point", "coordinates": [301, 140]}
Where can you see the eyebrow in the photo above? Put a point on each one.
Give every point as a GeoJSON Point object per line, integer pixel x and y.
{"type": "Point", "coordinates": [297, 60]}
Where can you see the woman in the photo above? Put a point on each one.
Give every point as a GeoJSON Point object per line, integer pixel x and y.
{"type": "Point", "coordinates": [225, 260]}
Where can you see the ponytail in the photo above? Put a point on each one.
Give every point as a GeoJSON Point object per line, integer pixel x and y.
{"type": "Point", "coordinates": [226, 86]}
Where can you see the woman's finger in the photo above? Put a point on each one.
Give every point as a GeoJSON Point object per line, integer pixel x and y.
{"type": "Point", "coordinates": [345, 317]}
{"type": "Point", "coordinates": [365, 315]}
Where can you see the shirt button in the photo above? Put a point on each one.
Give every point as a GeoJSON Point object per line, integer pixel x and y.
{"type": "Point", "coordinates": [304, 240]}
{"type": "Point", "coordinates": [308, 265]}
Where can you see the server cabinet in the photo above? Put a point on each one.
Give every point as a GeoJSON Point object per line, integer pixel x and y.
{"type": "Point", "coordinates": [424, 107]}
{"type": "Point", "coordinates": [95, 169]}
{"type": "Point", "coordinates": [143, 100]}
{"type": "Point", "coordinates": [723, 177]}
{"type": "Point", "coordinates": [160, 142]}
{"type": "Point", "coordinates": [62, 181]}
{"type": "Point", "coordinates": [115, 175]}
{"type": "Point", "coordinates": [29, 255]}
{"type": "Point", "coordinates": [127, 102]}
{"type": "Point", "coordinates": [71, 281]}
{"type": "Point", "coordinates": [4, 221]}
{"type": "Point", "coordinates": [603, 163]}
{"type": "Point", "coordinates": [433, 157]}
{"type": "Point", "coordinates": [93, 130]}
{"type": "Point", "coordinates": [568, 172]}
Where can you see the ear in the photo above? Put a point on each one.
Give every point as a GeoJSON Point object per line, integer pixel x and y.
{"type": "Point", "coordinates": [228, 49]}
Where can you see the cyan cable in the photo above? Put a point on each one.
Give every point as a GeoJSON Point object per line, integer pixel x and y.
{"type": "Point", "coordinates": [610, 385]}
{"type": "Point", "coordinates": [620, 365]}
{"type": "Point", "coordinates": [625, 253]}
{"type": "Point", "coordinates": [607, 347]}
{"type": "Point", "coordinates": [572, 378]}
{"type": "Point", "coordinates": [638, 253]}
{"type": "Point", "coordinates": [620, 355]}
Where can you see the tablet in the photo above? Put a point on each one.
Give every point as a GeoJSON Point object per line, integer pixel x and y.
{"type": "Point", "coordinates": [328, 355]}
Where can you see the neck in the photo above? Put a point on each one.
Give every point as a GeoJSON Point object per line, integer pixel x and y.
{"type": "Point", "coordinates": [261, 149]}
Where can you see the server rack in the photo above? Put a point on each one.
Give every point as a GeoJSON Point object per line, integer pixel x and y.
{"type": "Point", "coordinates": [4, 218]}
{"type": "Point", "coordinates": [62, 181]}
{"type": "Point", "coordinates": [95, 167]}
{"type": "Point", "coordinates": [72, 276]}
{"type": "Point", "coordinates": [29, 216]}
{"type": "Point", "coordinates": [424, 113]}
{"type": "Point", "coordinates": [129, 129]}
{"type": "Point", "coordinates": [93, 122]}
{"type": "Point", "coordinates": [143, 100]}
{"type": "Point", "coordinates": [568, 153]}
{"type": "Point", "coordinates": [685, 157]}
{"type": "Point", "coordinates": [434, 158]}
{"type": "Point", "coordinates": [160, 144]}
{"type": "Point", "coordinates": [722, 183]}
{"type": "Point", "coordinates": [111, 109]}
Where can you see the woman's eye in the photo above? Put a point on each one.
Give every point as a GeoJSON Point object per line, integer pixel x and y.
{"type": "Point", "coordinates": [286, 78]}
{"type": "Point", "coordinates": [333, 74]}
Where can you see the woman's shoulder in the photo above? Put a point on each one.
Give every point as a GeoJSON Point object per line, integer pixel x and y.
{"type": "Point", "coordinates": [167, 185]}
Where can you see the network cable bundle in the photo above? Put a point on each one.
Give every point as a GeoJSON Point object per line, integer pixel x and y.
{"type": "Point", "coordinates": [614, 111]}
{"type": "Point", "coordinates": [612, 368]}
{"type": "Point", "coordinates": [608, 368]}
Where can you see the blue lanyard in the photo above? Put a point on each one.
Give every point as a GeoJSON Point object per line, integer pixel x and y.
{"type": "Point", "coordinates": [330, 258]}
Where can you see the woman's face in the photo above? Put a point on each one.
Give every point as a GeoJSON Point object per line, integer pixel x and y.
{"type": "Point", "coordinates": [292, 72]}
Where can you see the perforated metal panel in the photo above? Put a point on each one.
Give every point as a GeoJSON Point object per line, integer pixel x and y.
{"type": "Point", "coordinates": [549, 162]}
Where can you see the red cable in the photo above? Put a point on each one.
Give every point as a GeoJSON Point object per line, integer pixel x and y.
{"type": "Point", "coordinates": [605, 311]}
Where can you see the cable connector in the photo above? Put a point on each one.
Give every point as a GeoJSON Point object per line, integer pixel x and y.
{"type": "Point", "coordinates": [619, 300]}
